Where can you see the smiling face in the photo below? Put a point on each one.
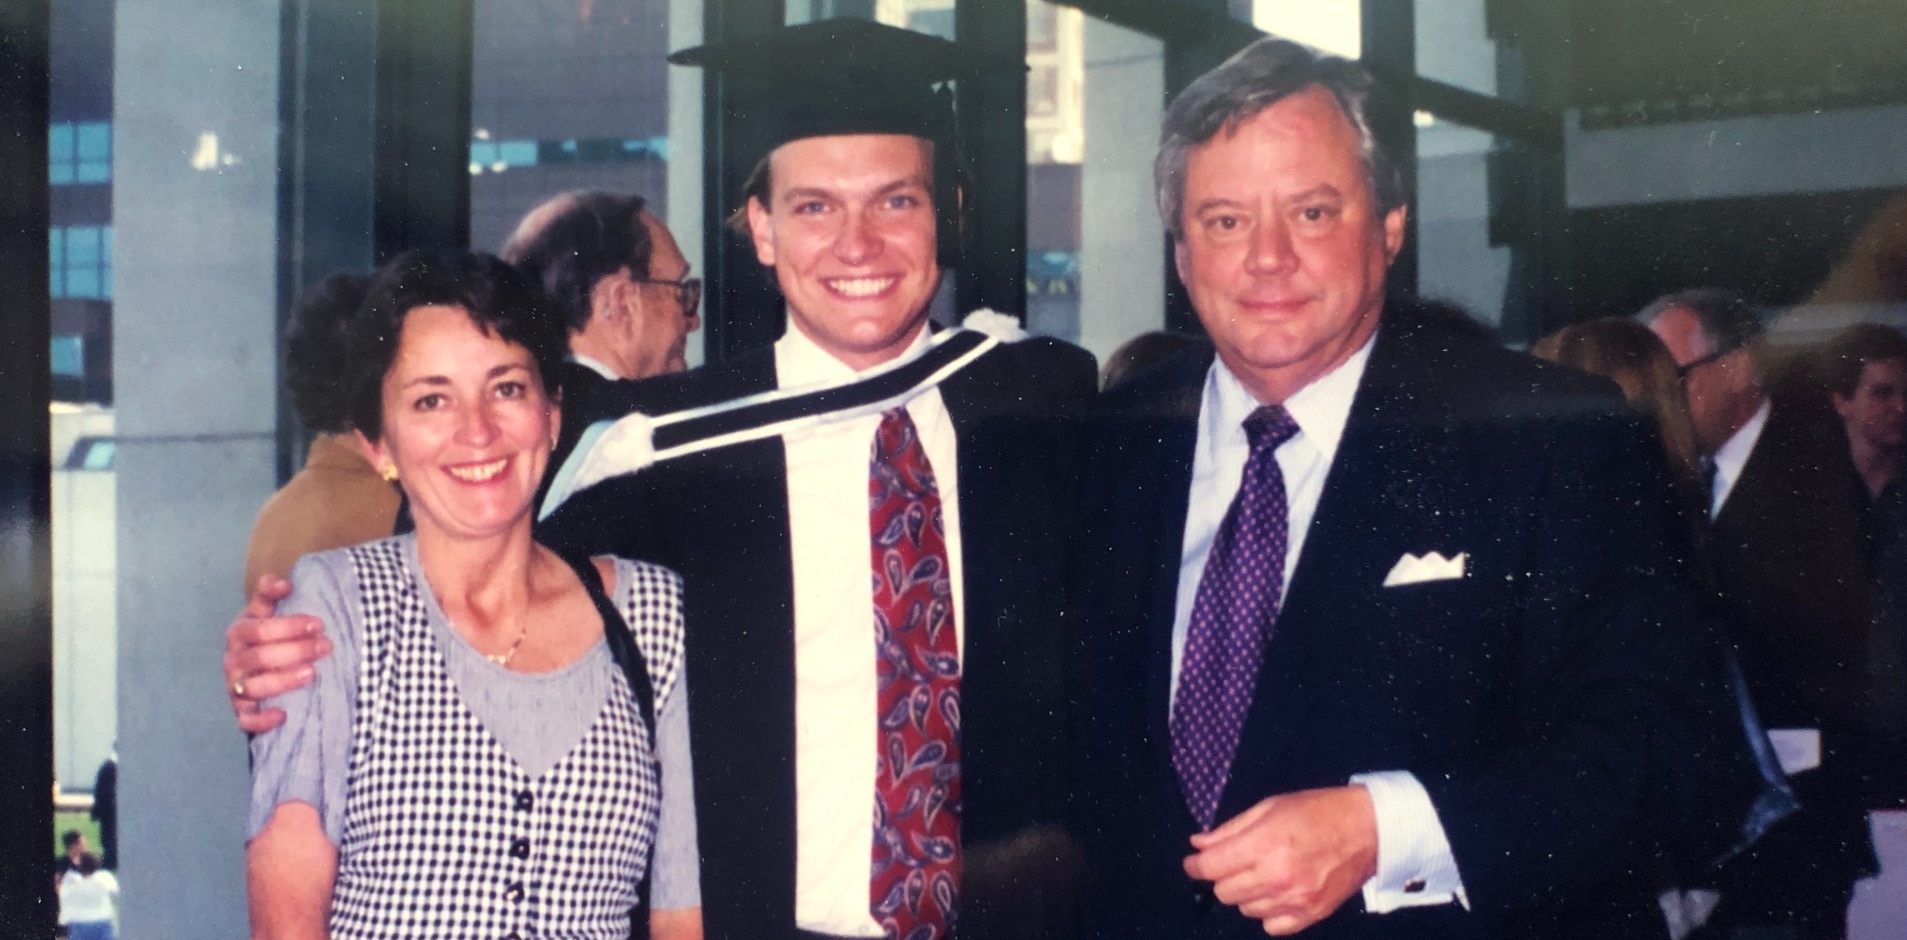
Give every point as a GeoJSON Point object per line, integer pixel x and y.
{"type": "Point", "coordinates": [1284, 248]}
{"type": "Point", "coordinates": [849, 230]}
{"type": "Point", "coordinates": [466, 423]}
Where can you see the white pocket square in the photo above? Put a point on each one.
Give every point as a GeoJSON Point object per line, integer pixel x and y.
{"type": "Point", "coordinates": [1416, 569]}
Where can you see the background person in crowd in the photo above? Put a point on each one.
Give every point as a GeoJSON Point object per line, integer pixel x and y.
{"type": "Point", "coordinates": [1381, 625]}
{"type": "Point", "coordinates": [814, 675]}
{"type": "Point", "coordinates": [495, 734]}
{"type": "Point", "coordinates": [614, 272]}
{"type": "Point", "coordinates": [1140, 353]}
{"type": "Point", "coordinates": [337, 498]}
{"type": "Point", "coordinates": [105, 809]}
{"type": "Point", "coordinates": [87, 897]}
{"type": "Point", "coordinates": [1867, 382]}
{"type": "Point", "coordinates": [1866, 371]}
{"type": "Point", "coordinates": [1789, 569]}
{"type": "Point", "coordinates": [73, 842]}
{"type": "Point", "coordinates": [1628, 354]}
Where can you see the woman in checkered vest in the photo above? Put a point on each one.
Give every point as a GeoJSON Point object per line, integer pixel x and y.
{"type": "Point", "coordinates": [499, 745]}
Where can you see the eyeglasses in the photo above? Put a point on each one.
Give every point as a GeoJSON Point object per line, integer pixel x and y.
{"type": "Point", "coordinates": [688, 291]}
{"type": "Point", "coordinates": [1682, 371]}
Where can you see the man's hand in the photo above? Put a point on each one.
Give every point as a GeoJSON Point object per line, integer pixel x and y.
{"type": "Point", "coordinates": [1292, 859]}
{"type": "Point", "coordinates": [266, 655]}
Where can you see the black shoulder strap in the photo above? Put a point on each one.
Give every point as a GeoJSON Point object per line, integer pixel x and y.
{"type": "Point", "coordinates": [623, 648]}
{"type": "Point", "coordinates": [622, 643]}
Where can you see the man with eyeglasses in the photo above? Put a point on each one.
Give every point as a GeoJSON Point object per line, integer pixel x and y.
{"type": "Point", "coordinates": [614, 271]}
{"type": "Point", "coordinates": [1789, 573]}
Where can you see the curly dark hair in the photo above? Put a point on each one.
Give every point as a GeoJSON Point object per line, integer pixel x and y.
{"type": "Point", "coordinates": [314, 350]}
{"type": "Point", "coordinates": [499, 299]}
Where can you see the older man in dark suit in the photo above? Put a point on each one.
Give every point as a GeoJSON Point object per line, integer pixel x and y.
{"type": "Point", "coordinates": [1382, 633]}
{"type": "Point", "coordinates": [1790, 570]}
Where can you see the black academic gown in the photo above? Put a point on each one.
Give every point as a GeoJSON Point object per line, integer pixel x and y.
{"type": "Point", "coordinates": [720, 518]}
{"type": "Point", "coordinates": [1546, 700]}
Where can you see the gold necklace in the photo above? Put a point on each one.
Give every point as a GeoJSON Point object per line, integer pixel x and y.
{"type": "Point", "coordinates": [503, 658]}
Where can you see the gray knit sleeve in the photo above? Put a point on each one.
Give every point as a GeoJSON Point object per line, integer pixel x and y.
{"type": "Point", "coordinates": [675, 868]}
{"type": "Point", "coordinates": [305, 759]}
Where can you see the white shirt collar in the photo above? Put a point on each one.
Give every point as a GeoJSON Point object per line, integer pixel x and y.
{"type": "Point", "coordinates": [801, 361]}
{"type": "Point", "coordinates": [594, 366]}
{"type": "Point", "coordinates": [1732, 456]}
{"type": "Point", "coordinates": [1320, 409]}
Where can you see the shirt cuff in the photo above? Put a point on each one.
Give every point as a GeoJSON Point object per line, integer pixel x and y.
{"type": "Point", "coordinates": [1414, 864]}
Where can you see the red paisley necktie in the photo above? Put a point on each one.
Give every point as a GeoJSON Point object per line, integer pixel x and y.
{"type": "Point", "coordinates": [916, 873]}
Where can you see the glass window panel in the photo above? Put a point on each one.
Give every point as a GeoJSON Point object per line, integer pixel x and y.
{"type": "Point", "coordinates": [482, 154]}
{"type": "Point", "coordinates": [1457, 259]}
{"type": "Point", "coordinates": [67, 356]}
{"type": "Point", "coordinates": [1332, 25]}
{"type": "Point", "coordinates": [82, 282]}
{"type": "Point", "coordinates": [95, 141]}
{"type": "Point", "coordinates": [106, 266]}
{"type": "Point", "coordinates": [518, 153]}
{"type": "Point", "coordinates": [100, 455]}
{"type": "Point", "coordinates": [60, 143]}
{"type": "Point", "coordinates": [1455, 46]}
{"type": "Point", "coordinates": [1095, 270]}
{"type": "Point", "coordinates": [82, 246]}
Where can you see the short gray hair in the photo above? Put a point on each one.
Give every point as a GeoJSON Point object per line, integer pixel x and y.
{"type": "Point", "coordinates": [1728, 320]}
{"type": "Point", "coordinates": [1261, 75]}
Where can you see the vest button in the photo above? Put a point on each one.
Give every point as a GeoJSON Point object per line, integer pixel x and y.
{"type": "Point", "coordinates": [519, 848]}
{"type": "Point", "coordinates": [514, 893]}
{"type": "Point", "coordinates": [524, 801]}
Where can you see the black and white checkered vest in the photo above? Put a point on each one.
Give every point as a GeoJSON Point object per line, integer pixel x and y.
{"type": "Point", "coordinates": [444, 835]}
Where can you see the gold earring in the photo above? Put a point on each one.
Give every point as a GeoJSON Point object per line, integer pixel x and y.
{"type": "Point", "coordinates": [388, 472]}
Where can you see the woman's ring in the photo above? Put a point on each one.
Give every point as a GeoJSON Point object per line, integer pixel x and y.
{"type": "Point", "coordinates": [238, 688]}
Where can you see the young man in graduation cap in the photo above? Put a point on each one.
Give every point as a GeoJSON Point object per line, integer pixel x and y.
{"type": "Point", "coordinates": [914, 731]}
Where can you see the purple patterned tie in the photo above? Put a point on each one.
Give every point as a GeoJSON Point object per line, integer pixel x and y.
{"type": "Point", "coordinates": [1232, 617]}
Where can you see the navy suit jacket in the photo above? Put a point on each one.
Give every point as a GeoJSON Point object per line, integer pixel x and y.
{"type": "Point", "coordinates": [1542, 699]}
{"type": "Point", "coordinates": [1791, 576]}
{"type": "Point", "coordinates": [720, 519]}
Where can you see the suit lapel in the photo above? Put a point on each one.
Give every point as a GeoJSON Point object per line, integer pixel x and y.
{"type": "Point", "coordinates": [1167, 483]}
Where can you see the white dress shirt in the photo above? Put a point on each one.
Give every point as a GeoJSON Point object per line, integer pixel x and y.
{"type": "Point", "coordinates": [1733, 455]}
{"type": "Point", "coordinates": [1414, 863]}
{"type": "Point", "coordinates": [836, 696]}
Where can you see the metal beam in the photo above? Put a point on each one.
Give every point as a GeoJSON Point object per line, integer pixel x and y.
{"type": "Point", "coordinates": [992, 118]}
{"type": "Point", "coordinates": [26, 577]}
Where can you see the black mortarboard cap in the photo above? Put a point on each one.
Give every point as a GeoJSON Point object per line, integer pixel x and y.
{"type": "Point", "coordinates": [841, 76]}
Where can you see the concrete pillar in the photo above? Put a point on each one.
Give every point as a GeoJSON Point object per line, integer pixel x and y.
{"type": "Point", "coordinates": [194, 202]}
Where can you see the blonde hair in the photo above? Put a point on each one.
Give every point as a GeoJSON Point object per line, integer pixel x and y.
{"type": "Point", "coordinates": [1628, 353]}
